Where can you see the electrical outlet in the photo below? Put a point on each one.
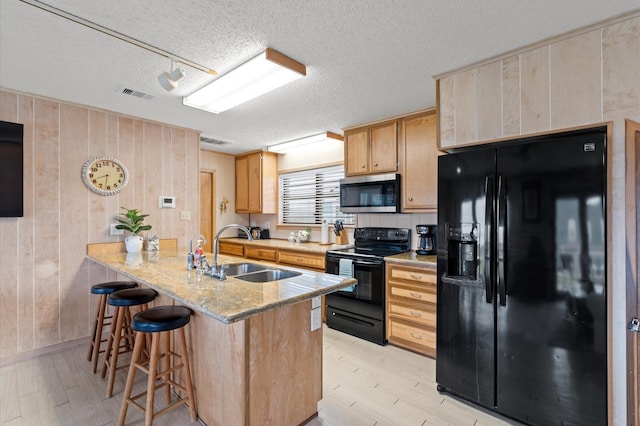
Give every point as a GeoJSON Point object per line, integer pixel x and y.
{"type": "Point", "coordinates": [114, 231]}
{"type": "Point", "coordinates": [185, 215]}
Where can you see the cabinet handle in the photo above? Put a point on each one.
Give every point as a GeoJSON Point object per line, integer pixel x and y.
{"type": "Point", "coordinates": [416, 277]}
{"type": "Point", "coordinates": [375, 164]}
{"type": "Point", "coordinates": [410, 198]}
{"type": "Point", "coordinates": [415, 314]}
{"type": "Point", "coordinates": [415, 295]}
{"type": "Point", "coordinates": [364, 166]}
{"type": "Point", "coordinates": [416, 336]}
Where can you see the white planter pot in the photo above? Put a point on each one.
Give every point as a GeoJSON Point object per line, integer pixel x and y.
{"type": "Point", "coordinates": [133, 244]}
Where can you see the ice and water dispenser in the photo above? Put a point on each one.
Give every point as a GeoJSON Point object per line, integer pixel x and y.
{"type": "Point", "coordinates": [462, 250]}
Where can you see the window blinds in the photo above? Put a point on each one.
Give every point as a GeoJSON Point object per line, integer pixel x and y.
{"type": "Point", "coordinates": [311, 196]}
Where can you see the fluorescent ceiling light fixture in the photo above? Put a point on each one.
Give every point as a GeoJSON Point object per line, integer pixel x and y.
{"type": "Point", "coordinates": [267, 71]}
{"type": "Point", "coordinates": [286, 146]}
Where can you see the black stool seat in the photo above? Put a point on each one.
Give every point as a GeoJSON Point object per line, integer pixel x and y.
{"type": "Point", "coordinates": [132, 297]}
{"type": "Point", "coordinates": [110, 287]}
{"type": "Point", "coordinates": [161, 318]}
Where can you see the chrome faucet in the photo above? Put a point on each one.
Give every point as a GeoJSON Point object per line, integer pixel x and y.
{"type": "Point", "coordinates": [190, 256]}
{"type": "Point", "coordinates": [219, 272]}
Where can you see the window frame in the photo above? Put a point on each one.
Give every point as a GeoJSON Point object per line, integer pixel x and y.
{"type": "Point", "coordinates": [349, 219]}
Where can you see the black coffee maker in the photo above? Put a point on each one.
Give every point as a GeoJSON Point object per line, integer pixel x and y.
{"type": "Point", "coordinates": [426, 239]}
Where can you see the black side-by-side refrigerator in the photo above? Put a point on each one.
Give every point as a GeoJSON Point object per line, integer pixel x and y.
{"type": "Point", "coordinates": [522, 268]}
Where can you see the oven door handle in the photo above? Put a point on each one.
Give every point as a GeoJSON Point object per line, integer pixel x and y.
{"type": "Point", "coordinates": [368, 263]}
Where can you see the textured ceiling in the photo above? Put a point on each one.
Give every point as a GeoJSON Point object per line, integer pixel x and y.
{"type": "Point", "coordinates": [366, 60]}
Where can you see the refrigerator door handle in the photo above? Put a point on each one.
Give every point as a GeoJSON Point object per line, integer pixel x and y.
{"type": "Point", "coordinates": [502, 222]}
{"type": "Point", "coordinates": [488, 248]}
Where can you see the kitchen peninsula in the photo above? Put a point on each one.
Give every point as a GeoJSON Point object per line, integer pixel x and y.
{"type": "Point", "coordinates": [255, 349]}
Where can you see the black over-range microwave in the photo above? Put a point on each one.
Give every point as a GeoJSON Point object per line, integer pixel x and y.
{"type": "Point", "coordinates": [370, 194]}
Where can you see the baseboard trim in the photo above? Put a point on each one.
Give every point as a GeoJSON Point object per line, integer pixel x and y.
{"type": "Point", "coordinates": [34, 353]}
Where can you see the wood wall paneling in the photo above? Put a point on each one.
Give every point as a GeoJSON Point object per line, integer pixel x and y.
{"type": "Point", "coordinates": [74, 126]}
{"type": "Point", "coordinates": [511, 96]}
{"type": "Point", "coordinates": [466, 106]}
{"type": "Point", "coordinates": [489, 105]}
{"type": "Point", "coordinates": [534, 74]}
{"type": "Point", "coordinates": [26, 229]}
{"type": "Point", "coordinates": [9, 258]}
{"type": "Point", "coordinates": [576, 79]}
{"type": "Point", "coordinates": [47, 222]}
{"type": "Point", "coordinates": [44, 277]}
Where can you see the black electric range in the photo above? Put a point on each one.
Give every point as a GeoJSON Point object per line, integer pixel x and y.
{"type": "Point", "coordinates": [360, 309]}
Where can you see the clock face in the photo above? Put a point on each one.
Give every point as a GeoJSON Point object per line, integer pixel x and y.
{"type": "Point", "coordinates": [105, 176]}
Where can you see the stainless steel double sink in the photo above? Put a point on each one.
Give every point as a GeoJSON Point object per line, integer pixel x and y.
{"type": "Point", "coordinates": [256, 273]}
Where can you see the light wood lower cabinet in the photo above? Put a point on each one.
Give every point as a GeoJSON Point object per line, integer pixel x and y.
{"type": "Point", "coordinates": [411, 307]}
{"type": "Point", "coordinates": [261, 253]}
{"type": "Point", "coordinates": [304, 260]}
{"type": "Point", "coordinates": [233, 249]}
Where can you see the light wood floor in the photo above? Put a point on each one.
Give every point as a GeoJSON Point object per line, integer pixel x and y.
{"type": "Point", "coordinates": [364, 384]}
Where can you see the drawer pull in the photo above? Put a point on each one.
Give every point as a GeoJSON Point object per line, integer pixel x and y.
{"type": "Point", "coordinates": [416, 336]}
{"type": "Point", "coordinates": [415, 295]}
{"type": "Point", "coordinates": [416, 277]}
{"type": "Point", "coordinates": [415, 314]}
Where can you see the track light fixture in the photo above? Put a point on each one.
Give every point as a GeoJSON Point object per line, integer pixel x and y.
{"type": "Point", "coordinates": [169, 80]}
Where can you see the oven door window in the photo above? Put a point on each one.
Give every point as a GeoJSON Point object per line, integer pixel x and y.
{"type": "Point", "coordinates": [370, 285]}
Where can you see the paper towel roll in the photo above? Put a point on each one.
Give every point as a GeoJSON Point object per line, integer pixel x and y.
{"type": "Point", "coordinates": [324, 236]}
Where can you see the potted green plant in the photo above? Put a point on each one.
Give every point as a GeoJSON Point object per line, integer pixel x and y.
{"type": "Point", "coordinates": [132, 221]}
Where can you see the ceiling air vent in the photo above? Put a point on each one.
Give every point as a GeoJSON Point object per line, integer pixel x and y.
{"type": "Point", "coordinates": [213, 141]}
{"type": "Point", "coordinates": [137, 94]}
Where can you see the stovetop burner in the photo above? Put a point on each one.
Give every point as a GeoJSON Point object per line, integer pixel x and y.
{"type": "Point", "coordinates": [377, 242]}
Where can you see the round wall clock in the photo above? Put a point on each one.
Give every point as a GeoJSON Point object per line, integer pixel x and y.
{"type": "Point", "coordinates": [105, 176]}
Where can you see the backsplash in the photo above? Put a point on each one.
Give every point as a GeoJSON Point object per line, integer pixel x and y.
{"type": "Point", "coordinates": [362, 220]}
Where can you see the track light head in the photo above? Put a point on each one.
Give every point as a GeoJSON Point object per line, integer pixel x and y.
{"type": "Point", "coordinates": [170, 80]}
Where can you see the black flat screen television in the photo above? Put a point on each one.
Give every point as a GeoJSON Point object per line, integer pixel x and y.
{"type": "Point", "coordinates": [11, 170]}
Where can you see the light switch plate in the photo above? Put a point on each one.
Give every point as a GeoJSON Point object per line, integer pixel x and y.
{"type": "Point", "coordinates": [114, 231]}
{"type": "Point", "coordinates": [185, 215]}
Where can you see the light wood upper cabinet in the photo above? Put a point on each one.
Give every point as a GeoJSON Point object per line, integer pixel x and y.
{"type": "Point", "coordinates": [256, 183]}
{"type": "Point", "coordinates": [419, 162]}
{"type": "Point", "coordinates": [371, 149]}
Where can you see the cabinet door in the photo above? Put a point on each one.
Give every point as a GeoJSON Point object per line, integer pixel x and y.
{"type": "Point", "coordinates": [420, 170]}
{"type": "Point", "coordinates": [242, 184]}
{"type": "Point", "coordinates": [255, 183]}
{"type": "Point", "coordinates": [383, 148]}
{"type": "Point", "coordinates": [357, 153]}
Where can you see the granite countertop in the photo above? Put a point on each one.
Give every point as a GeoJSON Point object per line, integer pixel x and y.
{"type": "Point", "coordinates": [227, 301]}
{"type": "Point", "coordinates": [310, 247]}
{"type": "Point", "coordinates": [411, 258]}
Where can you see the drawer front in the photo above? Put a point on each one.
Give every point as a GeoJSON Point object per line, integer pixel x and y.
{"type": "Point", "coordinates": [427, 277]}
{"type": "Point", "coordinates": [229, 248]}
{"type": "Point", "coordinates": [419, 295]}
{"type": "Point", "coordinates": [422, 340]}
{"type": "Point", "coordinates": [425, 314]}
{"type": "Point", "coordinates": [260, 253]}
{"type": "Point", "coordinates": [304, 260]}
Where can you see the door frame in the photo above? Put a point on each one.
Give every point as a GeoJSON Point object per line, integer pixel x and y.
{"type": "Point", "coordinates": [214, 216]}
{"type": "Point", "coordinates": [632, 130]}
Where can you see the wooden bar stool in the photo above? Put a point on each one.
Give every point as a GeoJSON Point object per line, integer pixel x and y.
{"type": "Point", "coordinates": [123, 300]}
{"type": "Point", "coordinates": [159, 321]}
{"type": "Point", "coordinates": [104, 290]}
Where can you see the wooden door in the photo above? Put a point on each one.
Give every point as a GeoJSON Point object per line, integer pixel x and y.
{"type": "Point", "coordinates": [420, 162]}
{"type": "Point", "coordinates": [207, 206]}
{"type": "Point", "coordinates": [383, 146]}
{"type": "Point", "coordinates": [356, 155]}
{"type": "Point", "coordinates": [632, 268]}
{"type": "Point", "coordinates": [242, 184]}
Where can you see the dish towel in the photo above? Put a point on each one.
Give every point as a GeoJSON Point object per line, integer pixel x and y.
{"type": "Point", "coordinates": [346, 270]}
